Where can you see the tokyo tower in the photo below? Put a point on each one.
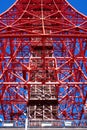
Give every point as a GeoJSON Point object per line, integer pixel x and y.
{"type": "Point", "coordinates": [43, 61]}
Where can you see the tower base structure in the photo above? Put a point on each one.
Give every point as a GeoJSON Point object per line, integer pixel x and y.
{"type": "Point", "coordinates": [43, 62]}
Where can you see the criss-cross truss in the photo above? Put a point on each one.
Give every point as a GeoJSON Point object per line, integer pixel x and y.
{"type": "Point", "coordinates": [43, 61]}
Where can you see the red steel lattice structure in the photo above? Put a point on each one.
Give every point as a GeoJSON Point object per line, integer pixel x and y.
{"type": "Point", "coordinates": [43, 61]}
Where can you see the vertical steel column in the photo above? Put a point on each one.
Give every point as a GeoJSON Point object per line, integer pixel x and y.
{"type": "Point", "coordinates": [43, 98]}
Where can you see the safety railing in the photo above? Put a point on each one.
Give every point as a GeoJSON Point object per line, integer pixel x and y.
{"type": "Point", "coordinates": [46, 124]}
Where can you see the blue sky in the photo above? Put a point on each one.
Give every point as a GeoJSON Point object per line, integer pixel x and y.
{"type": "Point", "coordinates": [80, 5]}
{"type": "Point", "coordinates": [5, 4]}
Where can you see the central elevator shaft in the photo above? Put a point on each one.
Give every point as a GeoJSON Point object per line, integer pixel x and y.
{"type": "Point", "coordinates": [43, 103]}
